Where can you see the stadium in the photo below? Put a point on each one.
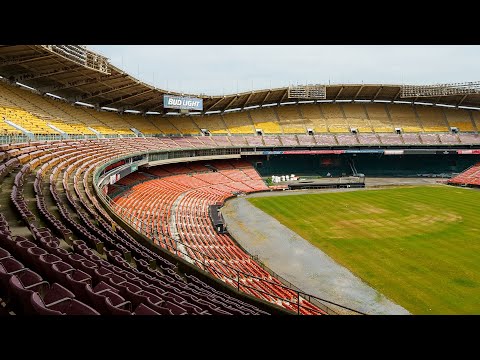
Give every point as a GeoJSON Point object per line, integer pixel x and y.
{"type": "Point", "coordinates": [120, 198]}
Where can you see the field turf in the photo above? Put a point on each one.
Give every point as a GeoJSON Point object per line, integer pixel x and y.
{"type": "Point", "coordinates": [419, 245]}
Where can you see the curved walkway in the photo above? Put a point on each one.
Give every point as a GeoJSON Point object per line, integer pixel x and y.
{"type": "Point", "coordinates": [299, 262]}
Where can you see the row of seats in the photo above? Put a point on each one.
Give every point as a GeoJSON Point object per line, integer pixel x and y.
{"type": "Point", "coordinates": [176, 205]}
{"type": "Point", "coordinates": [319, 140]}
{"type": "Point", "coordinates": [34, 112]}
{"type": "Point", "coordinates": [92, 267]}
{"type": "Point", "coordinates": [471, 176]}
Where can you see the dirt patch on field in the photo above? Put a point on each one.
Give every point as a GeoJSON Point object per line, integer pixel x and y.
{"type": "Point", "coordinates": [431, 219]}
{"type": "Point", "coordinates": [377, 227]}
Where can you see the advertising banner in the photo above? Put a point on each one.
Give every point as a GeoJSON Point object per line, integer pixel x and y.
{"type": "Point", "coordinates": [468, 152]}
{"type": "Point", "coordinates": [313, 152]}
{"type": "Point", "coordinates": [393, 152]}
{"type": "Point", "coordinates": [180, 102]}
{"type": "Point", "coordinates": [364, 151]}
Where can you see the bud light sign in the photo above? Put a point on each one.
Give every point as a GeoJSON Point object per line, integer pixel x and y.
{"type": "Point", "coordinates": [178, 102]}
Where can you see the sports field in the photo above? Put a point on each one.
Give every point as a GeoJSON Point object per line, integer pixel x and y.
{"type": "Point", "coordinates": [418, 245]}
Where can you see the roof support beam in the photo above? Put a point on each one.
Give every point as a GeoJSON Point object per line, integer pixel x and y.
{"type": "Point", "coordinates": [283, 97]}
{"type": "Point", "coordinates": [230, 103]}
{"type": "Point", "coordinates": [69, 85]}
{"type": "Point", "coordinates": [338, 94]}
{"type": "Point", "coordinates": [33, 76]}
{"type": "Point", "coordinates": [265, 98]}
{"type": "Point", "coordinates": [123, 98]}
{"type": "Point", "coordinates": [248, 99]}
{"type": "Point", "coordinates": [437, 100]}
{"type": "Point", "coordinates": [378, 92]}
{"type": "Point", "coordinates": [23, 59]}
{"type": "Point", "coordinates": [398, 94]}
{"type": "Point", "coordinates": [157, 106]}
{"type": "Point", "coordinates": [356, 94]}
{"type": "Point", "coordinates": [140, 103]}
{"type": "Point", "coordinates": [102, 93]}
{"type": "Point", "coordinates": [215, 103]}
{"type": "Point", "coordinates": [461, 100]}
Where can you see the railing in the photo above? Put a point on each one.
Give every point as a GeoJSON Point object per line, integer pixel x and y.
{"type": "Point", "coordinates": [237, 278]}
{"type": "Point", "coordinates": [13, 138]}
{"type": "Point", "coordinates": [19, 138]}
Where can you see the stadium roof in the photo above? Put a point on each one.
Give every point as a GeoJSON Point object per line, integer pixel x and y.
{"type": "Point", "coordinates": [80, 75]}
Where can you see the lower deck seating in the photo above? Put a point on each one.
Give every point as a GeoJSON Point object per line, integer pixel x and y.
{"type": "Point", "coordinates": [69, 259]}
{"type": "Point", "coordinates": [177, 205]}
{"type": "Point", "coordinates": [368, 139]}
{"type": "Point", "coordinates": [471, 176]}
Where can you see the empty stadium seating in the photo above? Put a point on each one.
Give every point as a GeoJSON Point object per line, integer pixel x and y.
{"type": "Point", "coordinates": [72, 261]}
{"type": "Point", "coordinates": [290, 120]}
{"type": "Point", "coordinates": [404, 117]}
{"type": "Point", "coordinates": [213, 123]}
{"type": "Point", "coordinates": [266, 120]}
{"type": "Point", "coordinates": [313, 118]}
{"type": "Point", "coordinates": [460, 119]}
{"type": "Point", "coordinates": [379, 119]}
{"type": "Point", "coordinates": [471, 176]}
{"type": "Point", "coordinates": [35, 113]}
{"type": "Point", "coordinates": [177, 206]}
{"type": "Point", "coordinates": [238, 123]}
{"type": "Point", "coordinates": [432, 118]}
{"type": "Point", "coordinates": [357, 117]}
{"type": "Point", "coordinates": [185, 125]}
{"type": "Point", "coordinates": [334, 118]}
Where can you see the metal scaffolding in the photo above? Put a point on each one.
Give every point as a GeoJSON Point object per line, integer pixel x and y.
{"type": "Point", "coordinates": [81, 55]}
{"type": "Point", "coordinates": [472, 87]}
{"type": "Point", "coordinates": [307, 92]}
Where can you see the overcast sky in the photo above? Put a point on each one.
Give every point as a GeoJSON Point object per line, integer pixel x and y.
{"type": "Point", "coordinates": [226, 69]}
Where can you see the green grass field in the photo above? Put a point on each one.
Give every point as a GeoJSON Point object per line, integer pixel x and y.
{"type": "Point", "coordinates": [419, 245]}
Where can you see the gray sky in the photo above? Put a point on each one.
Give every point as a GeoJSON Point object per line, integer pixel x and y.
{"type": "Point", "coordinates": [226, 69]}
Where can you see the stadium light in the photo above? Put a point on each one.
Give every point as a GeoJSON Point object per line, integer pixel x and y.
{"type": "Point", "coordinates": [472, 87]}
{"type": "Point", "coordinates": [307, 91]}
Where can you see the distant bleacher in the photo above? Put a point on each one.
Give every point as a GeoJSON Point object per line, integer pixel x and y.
{"type": "Point", "coordinates": [471, 176]}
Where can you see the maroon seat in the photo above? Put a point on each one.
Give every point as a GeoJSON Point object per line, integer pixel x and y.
{"type": "Point", "coordinates": [21, 248]}
{"type": "Point", "coordinates": [75, 260]}
{"type": "Point", "coordinates": [175, 308]}
{"type": "Point", "coordinates": [119, 309]}
{"type": "Point", "coordinates": [36, 252]}
{"type": "Point", "coordinates": [4, 254]}
{"type": "Point", "coordinates": [7, 242]}
{"type": "Point", "coordinates": [101, 274]}
{"type": "Point", "coordinates": [39, 307]}
{"type": "Point", "coordinates": [59, 271]}
{"type": "Point", "coordinates": [99, 293]}
{"type": "Point", "coordinates": [46, 261]}
{"type": "Point", "coordinates": [77, 281]}
{"type": "Point", "coordinates": [20, 289]}
{"type": "Point", "coordinates": [61, 253]}
{"type": "Point", "coordinates": [8, 268]}
{"type": "Point", "coordinates": [144, 310]}
{"type": "Point", "coordinates": [65, 307]}
{"type": "Point", "coordinates": [79, 245]}
{"type": "Point", "coordinates": [88, 267]}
